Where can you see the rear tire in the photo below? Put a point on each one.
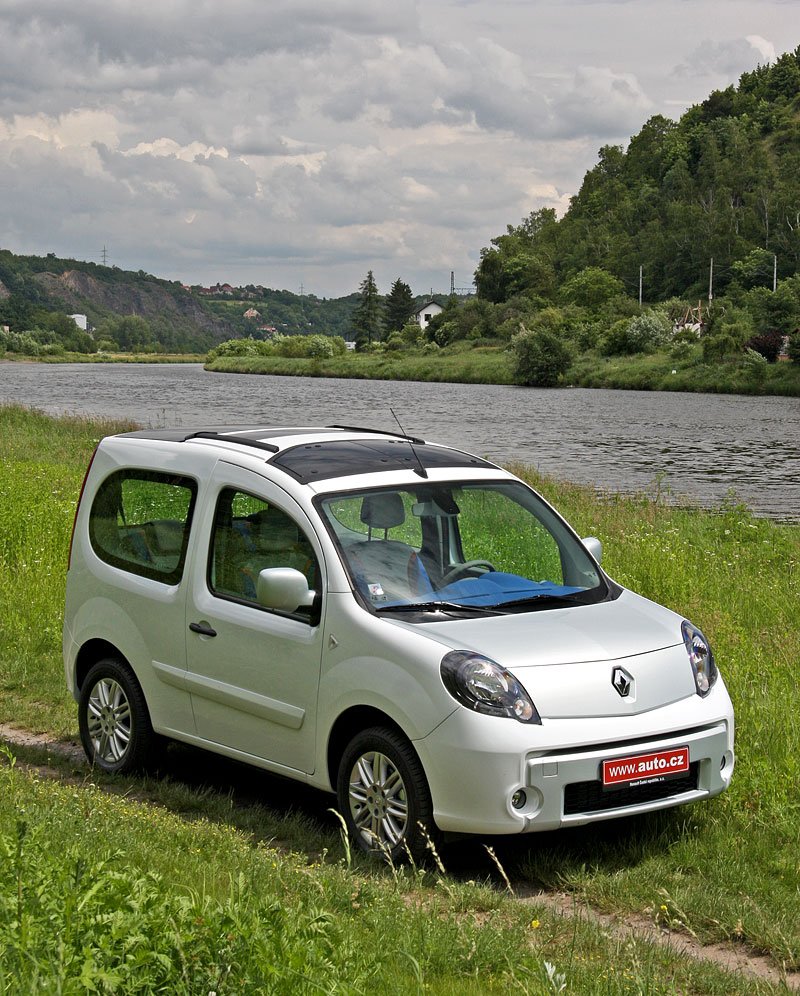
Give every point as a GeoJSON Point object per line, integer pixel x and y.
{"type": "Point", "coordinates": [384, 796]}
{"type": "Point", "coordinates": [113, 718]}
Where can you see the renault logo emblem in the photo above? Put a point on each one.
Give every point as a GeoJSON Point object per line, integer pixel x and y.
{"type": "Point", "coordinates": [622, 681]}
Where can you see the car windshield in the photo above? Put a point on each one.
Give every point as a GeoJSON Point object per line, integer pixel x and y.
{"type": "Point", "coordinates": [494, 545]}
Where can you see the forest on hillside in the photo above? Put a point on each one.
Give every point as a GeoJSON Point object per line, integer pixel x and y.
{"type": "Point", "coordinates": [685, 243]}
{"type": "Point", "coordinates": [721, 183]}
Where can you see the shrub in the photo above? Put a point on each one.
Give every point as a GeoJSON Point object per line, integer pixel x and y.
{"type": "Point", "coordinates": [411, 334]}
{"type": "Point", "coordinates": [394, 343]}
{"type": "Point", "coordinates": [768, 344]}
{"type": "Point", "coordinates": [540, 357]}
{"type": "Point", "coordinates": [616, 341]}
{"type": "Point", "coordinates": [241, 347]}
{"type": "Point", "coordinates": [648, 331]}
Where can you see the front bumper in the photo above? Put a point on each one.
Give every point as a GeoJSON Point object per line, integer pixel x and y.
{"type": "Point", "coordinates": [557, 766]}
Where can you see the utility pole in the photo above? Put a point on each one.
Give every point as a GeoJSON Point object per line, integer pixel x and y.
{"type": "Point", "coordinates": [774, 272]}
{"type": "Point", "coordinates": [452, 282]}
{"type": "Point", "coordinates": [104, 256]}
{"type": "Point", "coordinates": [640, 287]}
{"type": "Point", "coordinates": [711, 281]}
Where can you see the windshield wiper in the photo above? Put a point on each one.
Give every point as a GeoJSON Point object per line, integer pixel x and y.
{"type": "Point", "coordinates": [440, 607]}
{"type": "Point", "coordinates": [542, 601]}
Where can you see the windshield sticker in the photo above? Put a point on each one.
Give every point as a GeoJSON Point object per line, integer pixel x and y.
{"type": "Point", "coordinates": [376, 592]}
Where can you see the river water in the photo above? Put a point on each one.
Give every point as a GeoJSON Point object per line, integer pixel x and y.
{"type": "Point", "coordinates": [701, 448]}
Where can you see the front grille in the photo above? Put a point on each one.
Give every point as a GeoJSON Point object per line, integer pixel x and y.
{"type": "Point", "coordinates": [591, 797]}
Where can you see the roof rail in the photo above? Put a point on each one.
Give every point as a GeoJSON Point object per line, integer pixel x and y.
{"type": "Point", "coordinates": [380, 432]}
{"type": "Point", "coordinates": [225, 437]}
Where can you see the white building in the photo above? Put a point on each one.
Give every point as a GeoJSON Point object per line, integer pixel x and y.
{"type": "Point", "coordinates": [80, 321]}
{"type": "Point", "coordinates": [428, 311]}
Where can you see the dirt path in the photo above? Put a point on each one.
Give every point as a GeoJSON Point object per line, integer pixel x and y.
{"type": "Point", "coordinates": [731, 957]}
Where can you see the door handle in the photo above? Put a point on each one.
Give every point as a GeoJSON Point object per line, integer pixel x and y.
{"type": "Point", "coordinates": [203, 629]}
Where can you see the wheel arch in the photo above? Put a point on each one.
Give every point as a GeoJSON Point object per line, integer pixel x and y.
{"type": "Point", "coordinates": [353, 721]}
{"type": "Point", "coordinates": [90, 653]}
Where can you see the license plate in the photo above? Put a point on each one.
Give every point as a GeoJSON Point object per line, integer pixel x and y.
{"type": "Point", "coordinates": [643, 769]}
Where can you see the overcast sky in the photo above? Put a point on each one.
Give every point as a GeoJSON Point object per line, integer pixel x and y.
{"type": "Point", "coordinates": [289, 142]}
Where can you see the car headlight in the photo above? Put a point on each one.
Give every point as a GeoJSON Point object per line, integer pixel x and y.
{"type": "Point", "coordinates": [700, 657]}
{"type": "Point", "coordinates": [483, 686]}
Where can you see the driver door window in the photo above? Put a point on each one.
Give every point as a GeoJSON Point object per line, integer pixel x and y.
{"type": "Point", "coordinates": [249, 536]}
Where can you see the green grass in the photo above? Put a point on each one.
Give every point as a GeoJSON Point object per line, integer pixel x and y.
{"type": "Point", "coordinates": [659, 372]}
{"type": "Point", "coordinates": [68, 357]}
{"type": "Point", "coordinates": [726, 869]}
{"type": "Point", "coordinates": [464, 362]}
{"type": "Point", "coordinates": [480, 365]}
{"type": "Point", "coordinates": [100, 893]}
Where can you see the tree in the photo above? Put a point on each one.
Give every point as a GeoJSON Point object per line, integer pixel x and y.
{"type": "Point", "coordinates": [592, 288]}
{"type": "Point", "coordinates": [367, 316]}
{"type": "Point", "coordinates": [130, 333]}
{"type": "Point", "coordinates": [540, 357]}
{"type": "Point", "coordinates": [398, 307]}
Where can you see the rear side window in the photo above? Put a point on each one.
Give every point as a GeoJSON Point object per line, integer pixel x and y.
{"type": "Point", "coordinates": [140, 521]}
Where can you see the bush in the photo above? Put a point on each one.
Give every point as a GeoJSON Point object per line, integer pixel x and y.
{"type": "Point", "coordinates": [616, 341]}
{"type": "Point", "coordinates": [540, 357]}
{"type": "Point", "coordinates": [726, 333]}
{"type": "Point", "coordinates": [394, 343]}
{"type": "Point", "coordinates": [241, 347]}
{"type": "Point", "coordinates": [768, 344]}
{"type": "Point", "coordinates": [20, 342]}
{"type": "Point", "coordinates": [322, 346]}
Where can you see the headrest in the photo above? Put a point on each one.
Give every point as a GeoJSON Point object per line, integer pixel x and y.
{"type": "Point", "coordinates": [383, 511]}
{"type": "Point", "coordinates": [274, 529]}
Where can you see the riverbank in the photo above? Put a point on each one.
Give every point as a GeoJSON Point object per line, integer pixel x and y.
{"type": "Point", "coordinates": [479, 365]}
{"type": "Point", "coordinates": [466, 363]}
{"type": "Point", "coordinates": [484, 364]}
{"type": "Point", "coordinates": [725, 870]}
{"type": "Point", "coordinates": [106, 358]}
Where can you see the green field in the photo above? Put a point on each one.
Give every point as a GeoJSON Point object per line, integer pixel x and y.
{"type": "Point", "coordinates": [175, 887]}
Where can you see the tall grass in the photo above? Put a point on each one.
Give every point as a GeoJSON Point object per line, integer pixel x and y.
{"type": "Point", "coordinates": [731, 865]}
{"type": "Point", "coordinates": [728, 869]}
{"type": "Point", "coordinates": [463, 362]}
{"type": "Point", "coordinates": [475, 366]}
{"type": "Point", "coordinates": [105, 895]}
{"type": "Point", "coordinates": [42, 463]}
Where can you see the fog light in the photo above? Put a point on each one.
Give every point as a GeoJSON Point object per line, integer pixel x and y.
{"type": "Point", "coordinates": [518, 799]}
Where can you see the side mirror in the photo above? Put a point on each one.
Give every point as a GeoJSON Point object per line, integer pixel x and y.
{"type": "Point", "coordinates": [595, 547]}
{"type": "Point", "coordinates": [283, 588]}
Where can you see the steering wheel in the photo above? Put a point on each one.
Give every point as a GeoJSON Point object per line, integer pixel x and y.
{"type": "Point", "coordinates": [463, 570]}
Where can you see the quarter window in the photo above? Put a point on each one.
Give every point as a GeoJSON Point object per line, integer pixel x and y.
{"type": "Point", "coordinates": [140, 521]}
{"type": "Point", "coordinates": [251, 535]}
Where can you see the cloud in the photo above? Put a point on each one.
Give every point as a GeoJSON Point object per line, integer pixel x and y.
{"type": "Point", "coordinates": [601, 103]}
{"type": "Point", "coordinates": [728, 58]}
{"type": "Point", "coordinates": [315, 139]}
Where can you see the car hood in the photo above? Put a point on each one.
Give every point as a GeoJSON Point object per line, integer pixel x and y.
{"type": "Point", "coordinates": [567, 658]}
{"type": "Point", "coordinates": [624, 627]}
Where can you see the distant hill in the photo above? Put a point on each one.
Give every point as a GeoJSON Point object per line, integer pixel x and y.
{"type": "Point", "coordinates": [723, 182]}
{"type": "Point", "coordinates": [33, 289]}
{"type": "Point", "coordinates": [31, 286]}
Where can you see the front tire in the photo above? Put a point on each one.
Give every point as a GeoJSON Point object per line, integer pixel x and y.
{"type": "Point", "coordinates": [384, 796]}
{"type": "Point", "coordinates": [114, 721]}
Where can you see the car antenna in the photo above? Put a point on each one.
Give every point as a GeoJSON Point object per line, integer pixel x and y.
{"type": "Point", "coordinates": [419, 468]}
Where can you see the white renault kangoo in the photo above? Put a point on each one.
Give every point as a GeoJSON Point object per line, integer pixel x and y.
{"type": "Point", "coordinates": [399, 622]}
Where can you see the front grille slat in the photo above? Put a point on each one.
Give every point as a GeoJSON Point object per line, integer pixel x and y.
{"type": "Point", "coordinates": [591, 797]}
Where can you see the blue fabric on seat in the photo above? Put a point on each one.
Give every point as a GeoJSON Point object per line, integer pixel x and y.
{"type": "Point", "coordinates": [497, 586]}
